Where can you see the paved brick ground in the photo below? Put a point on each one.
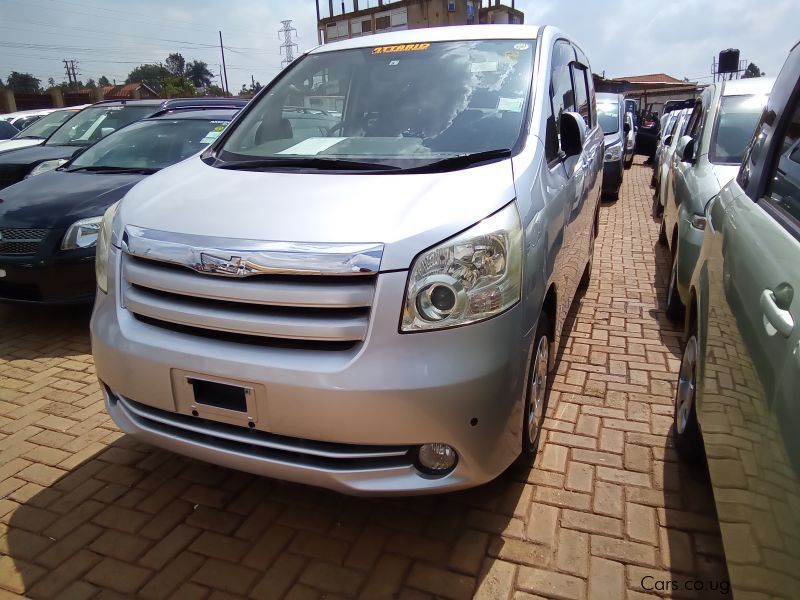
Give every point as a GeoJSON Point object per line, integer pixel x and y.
{"type": "Point", "coordinates": [86, 512]}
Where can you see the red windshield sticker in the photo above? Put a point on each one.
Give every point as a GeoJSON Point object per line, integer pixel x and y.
{"type": "Point", "coordinates": [401, 48]}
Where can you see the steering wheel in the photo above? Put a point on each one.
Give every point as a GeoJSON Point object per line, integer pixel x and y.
{"type": "Point", "coordinates": [334, 127]}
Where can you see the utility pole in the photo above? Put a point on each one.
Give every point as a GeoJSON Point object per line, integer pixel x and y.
{"type": "Point", "coordinates": [288, 47]}
{"type": "Point", "coordinates": [68, 70]}
{"type": "Point", "coordinates": [224, 68]}
{"type": "Point", "coordinates": [72, 76]}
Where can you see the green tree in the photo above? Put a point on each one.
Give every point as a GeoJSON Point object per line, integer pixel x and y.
{"type": "Point", "coordinates": [51, 83]}
{"type": "Point", "coordinates": [91, 83]}
{"type": "Point", "coordinates": [214, 90]}
{"type": "Point", "coordinates": [151, 75]}
{"type": "Point", "coordinates": [752, 71]}
{"type": "Point", "coordinates": [176, 64]}
{"type": "Point", "coordinates": [103, 81]}
{"type": "Point", "coordinates": [178, 87]}
{"type": "Point", "coordinates": [198, 73]}
{"type": "Point", "coordinates": [23, 83]}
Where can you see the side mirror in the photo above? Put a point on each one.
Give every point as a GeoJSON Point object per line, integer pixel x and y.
{"type": "Point", "coordinates": [685, 149]}
{"type": "Point", "coordinates": [626, 127]}
{"type": "Point", "coordinates": [104, 131]}
{"type": "Point", "coordinates": [573, 133]}
{"type": "Point", "coordinates": [668, 140]}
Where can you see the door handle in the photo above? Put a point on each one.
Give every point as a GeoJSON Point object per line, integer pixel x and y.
{"type": "Point", "coordinates": [779, 318]}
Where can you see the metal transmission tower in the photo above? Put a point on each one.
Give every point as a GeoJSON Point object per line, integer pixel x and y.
{"type": "Point", "coordinates": [288, 47]}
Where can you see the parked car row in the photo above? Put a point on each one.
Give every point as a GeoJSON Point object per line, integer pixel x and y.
{"type": "Point", "coordinates": [37, 133]}
{"type": "Point", "coordinates": [55, 192]}
{"type": "Point", "coordinates": [728, 180]}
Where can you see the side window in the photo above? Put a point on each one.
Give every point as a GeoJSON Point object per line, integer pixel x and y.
{"type": "Point", "coordinates": [582, 93]}
{"type": "Point", "coordinates": [592, 104]}
{"type": "Point", "coordinates": [783, 186]}
{"type": "Point", "coordinates": [562, 97]}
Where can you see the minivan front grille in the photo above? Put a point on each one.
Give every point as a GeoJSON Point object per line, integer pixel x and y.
{"type": "Point", "coordinates": [264, 445]}
{"type": "Point", "coordinates": [313, 311]}
{"type": "Point", "coordinates": [20, 242]}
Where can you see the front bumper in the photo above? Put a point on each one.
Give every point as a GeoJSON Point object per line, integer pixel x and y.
{"type": "Point", "coordinates": [50, 276]}
{"type": "Point", "coordinates": [463, 387]}
{"type": "Point", "coordinates": [612, 175]}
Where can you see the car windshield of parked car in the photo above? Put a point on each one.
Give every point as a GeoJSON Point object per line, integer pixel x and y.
{"type": "Point", "coordinates": [46, 125]}
{"type": "Point", "coordinates": [403, 105]}
{"type": "Point", "coordinates": [736, 120]}
{"type": "Point", "coordinates": [608, 116]}
{"type": "Point", "coordinates": [7, 130]}
{"type": "Point", "coordinates": [150, 145]}
{"type": "Point", "coordinates": [96, 122]}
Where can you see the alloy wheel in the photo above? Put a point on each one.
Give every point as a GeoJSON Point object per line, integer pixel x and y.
{"type": "Point", "coordinates": [538, 386]}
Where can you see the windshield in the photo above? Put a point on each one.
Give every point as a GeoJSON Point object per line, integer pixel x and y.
{"type": "Point", "coordinates": [736, 119]}
{"type": "Point", "coordinates": [403, 106]}
{"type": "Point", "coordinates": [96, 122]}
{"type": "Point", "coordinates": [47, 124]}
{"type": "Point", "coordinates": [152, 144]}
{"type": "Point", "coordinates": [608, 116]}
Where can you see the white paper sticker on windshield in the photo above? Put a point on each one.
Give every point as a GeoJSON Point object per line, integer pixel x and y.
{"type": "Point", "coordinates": [210, 137]}
{"type": "Point", "coordinates": [312, 146]}
{"type": "Point", "coordinates": [483, 67]}
{"type": "Point", "coordinates": [510, 104]}
{"type": "Point", "coordinates": [521, 46]}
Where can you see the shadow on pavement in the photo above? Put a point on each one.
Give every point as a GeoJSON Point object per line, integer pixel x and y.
{"type": "Point", "coordinates": [30, 331]}
{"type": "Point", "coordinates": [137, 520]}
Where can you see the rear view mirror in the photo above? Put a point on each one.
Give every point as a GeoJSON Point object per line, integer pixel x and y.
{"type": "Point", "coordinates": [573, 133]}
{"type": "Point", "coordinates": [104, 131]}
{"type": "Point", "coordinates": [685, 149]}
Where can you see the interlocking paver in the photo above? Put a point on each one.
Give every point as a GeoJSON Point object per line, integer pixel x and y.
{"type": "Point", "coordinates": [86, 512]}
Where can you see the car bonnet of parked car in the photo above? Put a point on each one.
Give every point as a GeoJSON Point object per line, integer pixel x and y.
{"type": "Point", "coordinates": [60, 197]}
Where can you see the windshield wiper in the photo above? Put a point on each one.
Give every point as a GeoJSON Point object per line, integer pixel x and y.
{"type": "Point", "coordinates": [311, 162]}
{"type": "Point", "coordinates": [461, 161]}
{"type": "Point", "coordinates": [115, 170]}
{"type": "Point", "coordinates": [28, 137]}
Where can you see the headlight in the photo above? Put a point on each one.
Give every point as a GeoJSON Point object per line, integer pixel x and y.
{"type": "Point", "coordinates": [613, 153]}
{"type": "Point", "coordinates": [471, 277]}
{"type": "Point", "coordinates": [82, 234]}
{"type": "Point", "coordinates": [103, 243]}
{"type": "Point", "coordinates": [44, 167]}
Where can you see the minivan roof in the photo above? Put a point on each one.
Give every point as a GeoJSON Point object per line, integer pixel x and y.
{"type": "Point", "coordinates": [208, 114]}
{"type": "Point", "coordinates": [751, 85]}
{"type": "Point", "coordinates": [436, 34]}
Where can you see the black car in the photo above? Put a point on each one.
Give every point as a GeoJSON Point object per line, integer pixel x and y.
{"type": "Point", "coordinates": [89, 125]}
{"type": "Point", "coordinates": [49, 223]}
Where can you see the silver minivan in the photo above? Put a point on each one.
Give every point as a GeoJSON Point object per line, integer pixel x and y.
{"type": "Point", "coordinates": [362, 283]}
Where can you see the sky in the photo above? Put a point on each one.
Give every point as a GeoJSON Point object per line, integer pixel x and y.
{"type": "Point", "coordinates": [620, 37]}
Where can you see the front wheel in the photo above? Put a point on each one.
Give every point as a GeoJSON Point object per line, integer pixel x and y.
{"type": "Point", "coordinates": [685, 429]}
{"type": "Point", "coordinates": [537, 394]}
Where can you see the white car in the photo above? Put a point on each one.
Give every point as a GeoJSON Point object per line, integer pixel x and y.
{"type": "Point", "coordinates": [41, 130]}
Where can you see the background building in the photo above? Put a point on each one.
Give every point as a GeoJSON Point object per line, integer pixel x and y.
{"type": "Point", "coordinates": [386, 15]}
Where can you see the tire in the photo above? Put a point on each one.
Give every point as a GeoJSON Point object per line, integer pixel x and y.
{"type": "Point", "coordinates": [537, 394]}
{"type": "Point", "coordinates": [674, 308]}
{"type": "Point", "coordinates": [686, 433]}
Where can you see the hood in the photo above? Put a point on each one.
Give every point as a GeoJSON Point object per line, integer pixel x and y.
{"type": "Point", "coordinates": [724, 173]}
{"type": "Point", "coordinates": [406, 212]}
{"type": "Point", "coordinates": [612, 138]}
{"type": "Point", "coordinates": [12, 144]}
{"type": "Point", "coordinates": [36, 154]}
{"type": "Point", "coordinates": [58, 198]}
